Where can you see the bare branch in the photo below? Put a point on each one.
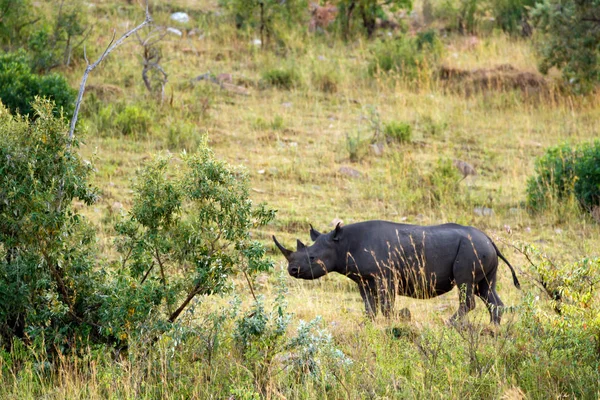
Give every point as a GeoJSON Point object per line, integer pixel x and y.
{"type": "Point", "coordinates": [90, 67]}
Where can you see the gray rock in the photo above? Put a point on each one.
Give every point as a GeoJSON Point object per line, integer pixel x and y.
{"type": "Point", "coordinates": [175, 31]}
{"type": "Point", "coordinates": [351, 172]}
{"type": "Point", "coordinates": [483, 211]}
{"type": "Point", "coordinates": [180, 17]}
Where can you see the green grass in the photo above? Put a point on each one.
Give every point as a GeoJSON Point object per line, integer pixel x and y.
{"type": "Point", "coordinates": [291, 135]}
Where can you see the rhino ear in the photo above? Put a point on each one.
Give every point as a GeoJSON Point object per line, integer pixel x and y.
{"type": "Point", "coordinates": [337, 232]}
{"type": "Point", "coordinates": [314, 234]}
{"type": "Point", "coordinates": [299, 245]}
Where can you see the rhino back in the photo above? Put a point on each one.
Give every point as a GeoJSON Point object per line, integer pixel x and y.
{"type": "Point", "coordinates": [413, 252]}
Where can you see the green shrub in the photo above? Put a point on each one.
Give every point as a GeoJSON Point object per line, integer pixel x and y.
{"type": "Point", "coordinates": [364, 13]}
{"type": "Point", "coordinates": [569, 25]}
{"type": "Point", "coordinates": [326, 80]}
{"type": "Point", "coordinates": [512, 15]}
{"type": "Point", "coordinates": [406, 55]}
{"type": "Point", "coordinates": [49, 284]}
{"type": "Point", "coordinates": [133, 120]}
{"type": "Point", "coordinates": [19, 86]}
{"type": "Point", "coordinates": [187, 232]}
{"type": "Point", "coordinates": [398, 132]}
{"type": "Point", "coordinates": [565, 171]}
{"type": "Point", "coordinates": [356, 146]}
{"type": "Point", "coordinates": [282, 78]}
{"type": "Point", "coordinates": [266, 18]}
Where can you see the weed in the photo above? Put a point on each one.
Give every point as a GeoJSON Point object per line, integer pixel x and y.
{"type": "Point", "coordinates": [397, 132]}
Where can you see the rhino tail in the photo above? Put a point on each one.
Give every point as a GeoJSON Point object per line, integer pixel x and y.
{"type": "Point", "coordinates": [512, 270]}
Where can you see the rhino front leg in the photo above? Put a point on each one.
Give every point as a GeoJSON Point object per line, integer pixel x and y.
{"type": "Point", "coordinates": [386, 296]}
{"type": "Point", "coordinates": [368, 292]}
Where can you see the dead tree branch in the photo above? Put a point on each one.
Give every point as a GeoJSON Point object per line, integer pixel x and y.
{"type": "Point", "coordinates": [90, 67]}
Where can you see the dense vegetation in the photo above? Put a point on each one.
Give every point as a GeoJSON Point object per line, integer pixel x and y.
{"type": "Point", "coordinates": [136, 261]}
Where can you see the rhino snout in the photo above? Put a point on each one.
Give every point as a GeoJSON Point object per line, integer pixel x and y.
{"type": "Point", "coordinates": [294, 271]}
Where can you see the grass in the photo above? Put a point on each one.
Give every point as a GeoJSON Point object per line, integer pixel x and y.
{"type": "Point", "coordinates": [293, 142]}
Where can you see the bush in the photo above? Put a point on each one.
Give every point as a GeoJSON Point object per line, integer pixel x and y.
{"type": "Point", "coordinates": [563, 172]}
{"type": "Point", "coordinates": [133, 120]}
{"type": "Point", "coordinates": [512, 15]}
{"type": "Point", "coordinates": [282, 78]}
{"type": "Point", "coordinates": [405, 55]}
{"type": "Point", "coordinates": [19, 86]}
{"type": "Point", "coordinates": [399, 132]}
{"type": "Point", "coordinates": [49, 284]}
{"type": "Point", "coordinates": [569, 25]}
{"type": "Point", "coordinates": [266, 17]}
{"type": "Point", "coordinates": [187, 232]}
{"type": "Point", "coordinates": [366, 12]}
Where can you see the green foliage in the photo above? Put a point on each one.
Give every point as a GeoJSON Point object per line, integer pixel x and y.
{"type": "Point", "coordinates": [282, 78]}
{"type": "Point", "coordinates": [462, 16]}
{"type": "Point", "coordinates": [19, 86]}
{"type": "Point", "coordinates": [442, 182]}
{"type": "Point", "coordinates": [366, 12]}
{"type": "Point", "coordinates": [133, 120]}
{"type": "Point", "coordinates": [567, 339]}
{"type": "Point", "coordinates": [187, 232]}
{"type": "Point", "coordinates": [309, 356]}
{"type": "Point", "coordinates": [49, 41]}
{"type": "Point", "coordinates": [511, 15]}
{"type": "Point", "coordinates": [397, 132]}
{"type": "Point", "coordinates": [326, 80]}
{"type": "Point", "coordinates": [408, 56]}
{"type": "Point", "coordinates": [266, 17]}
{"type": "Point", "coordinates": [563, 172]}
{"type": "Point", "coordinates": [356, 145]}
{"type": "Point", "coordinates": [49, 286]}
{"type": "Point", "coordinates": [568, 39]}
{"type": "Point", "coordinates": [16, 19]}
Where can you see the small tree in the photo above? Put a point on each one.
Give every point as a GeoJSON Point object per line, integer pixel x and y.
{"type": "Point", "coordinates": [49, 287]}
{"type": "Point", "coordinates": [188, 230]}
{"type": "Point", "coordinates": [569, 39]}
{"type": "Point", "coordinates": [367, 11]}
{"type": "Point", "coordinates": [265, 15]}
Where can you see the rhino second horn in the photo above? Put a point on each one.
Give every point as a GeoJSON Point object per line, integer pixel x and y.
{"type": "Point", "coordinates": [314, 234]}
{"type": "Point", "coordinates": [286, 253]}
{"type": "Point", "coordinates": [299, 245]}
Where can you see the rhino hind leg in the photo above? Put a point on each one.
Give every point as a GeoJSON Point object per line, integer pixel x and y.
{"type": "Point", "coordinates": [487, 292]}
{"type": "Point", "coordinates": [466, 301]}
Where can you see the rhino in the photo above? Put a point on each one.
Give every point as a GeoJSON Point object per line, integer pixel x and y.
{"type": "Point", "coordinates": [387, 259]}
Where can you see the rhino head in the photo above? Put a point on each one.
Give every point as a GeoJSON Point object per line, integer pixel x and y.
{"type": "Point", "coordinates": [312, 262]}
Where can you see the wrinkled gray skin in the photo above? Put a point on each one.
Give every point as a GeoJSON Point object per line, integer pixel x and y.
{"type": "Point", "coordinates": [386, 259]}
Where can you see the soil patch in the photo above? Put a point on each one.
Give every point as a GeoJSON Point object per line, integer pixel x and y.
{"type": "Point", "coordinates": [500, 78]}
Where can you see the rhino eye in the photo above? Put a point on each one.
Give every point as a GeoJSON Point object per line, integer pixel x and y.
{"type": "Point", "coordinates": [312, 258]}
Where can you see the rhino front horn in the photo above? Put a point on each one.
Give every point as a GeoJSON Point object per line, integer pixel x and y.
{"type": "Point", "coordinates": [286, 253]}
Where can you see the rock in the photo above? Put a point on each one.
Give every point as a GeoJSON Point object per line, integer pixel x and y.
{"type": "Point", "coordinates": [558, 231]}
{"type": "Point", "coordinates": [483, 211]}
{"type": "Point", "coordinates": [224, 78]}
{"type": "Point", "coordinates": [257, 42]}
{"type": "Point", "coordinates": [507, 229]}
{"type": "Point", "coordinates": [116, 207]}
{"type": "Point", "coordinates": [465, 168]}
{"type": "Point", "coordinates": [351, 172]}
{"type": "Point", "coordinates": [180, 17]}
{"type": "Point", "coordinates": [175, 31]}
{"type": "Point", "coordinates": [377, 149]}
